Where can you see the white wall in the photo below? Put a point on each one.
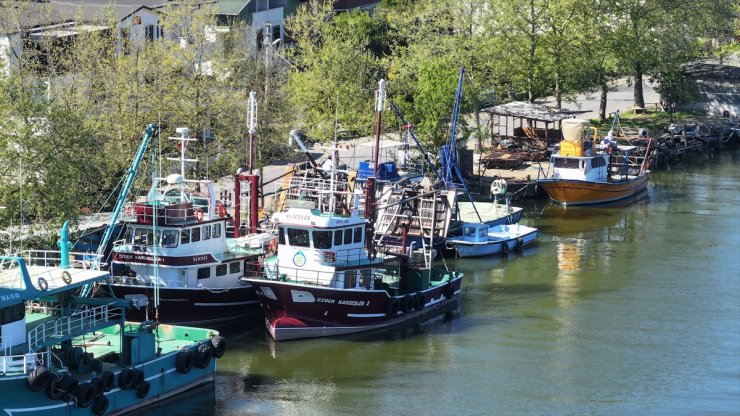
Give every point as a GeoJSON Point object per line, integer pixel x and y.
{"type": "Point", "coordinates": [10, 47]}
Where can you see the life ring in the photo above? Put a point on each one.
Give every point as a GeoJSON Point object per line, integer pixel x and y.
{"type": "Point", "coordinates": [419, 301]}
{"type": "Point", "coordinates": [608, 149]}
{"type": "Point", "coordinates": [100, 405]}
{"type": "Point", "coordinates": [43, 284]}
{"type": "Point", "coordinates": [184, 361]}
{"type": "Point", "coordinates": [129, 210]}
{"type": "Point", "coordinates": [143, 390]}
{"type": "Point", "coordinates": [272, 246]}
{"type": "Point", "coordinates": [39, 378]}
{"type": "Point", "coordinates": [84, 394]}
{"type": "Point", "coordinates": [407, 303]}
{"type": "Point", "coordinates": [202, 356]}
{"type": "Point", "coordinates": [221, 210]}
{"type": "Point", "coordinates": [218, 346]}
{"type": "Point", "coordinates": [504, 247]}
{"type": "Point", "coordinates": [199, 214]}
{"type": "Point", "coordinates": [66, 277]}
{"type": "Point", "coordinates": [393, 306]}
{"type": "Point", "coordinates": [449, 291]}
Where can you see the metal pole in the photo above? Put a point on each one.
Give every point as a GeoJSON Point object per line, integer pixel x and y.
{"type": "Point", "coordinates": [379, 105]}
{"type": "Point", "coordinates": [252, 125]}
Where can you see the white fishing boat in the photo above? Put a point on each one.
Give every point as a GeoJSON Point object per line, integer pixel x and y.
{"type": "Point", "coordinates": [483, 240]}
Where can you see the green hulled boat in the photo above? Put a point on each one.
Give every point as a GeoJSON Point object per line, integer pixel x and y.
{"type": "Point", "coordinates": [66, 354]}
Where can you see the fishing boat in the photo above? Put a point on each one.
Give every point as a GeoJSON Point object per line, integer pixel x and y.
{"type": "Point", "coordinates": [176, 243]}
{"type": "Point", "coordinates": [480, 240]}
{"type": "Point", "coordinates": [64, 354]}
{"type": "Point", "coordinates": [585, 174]}
{"type": "Point", "coordinates": [324, 281]}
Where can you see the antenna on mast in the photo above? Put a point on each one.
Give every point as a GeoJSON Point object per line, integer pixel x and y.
{"type": "Point", "coordinates": [252, 126]}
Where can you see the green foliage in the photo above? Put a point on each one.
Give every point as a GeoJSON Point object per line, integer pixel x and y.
{"type": "Point", "coordinates": [674, 89]}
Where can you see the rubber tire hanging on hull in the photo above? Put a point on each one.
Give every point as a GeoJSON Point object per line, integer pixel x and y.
{"type": "Point", "coordinates": [202, 356]}
{"type": "Point", "coordinates": [184, 361]}
{"type": "Point", "coordinates": [84, 394]}
{"type": "Point", "coordinates": [393, 306]}
{"type": "Point", "coordinates": [407, 303]}
{"type": "Point", "coordinates": [143, 390]}
{"type": "Point", "coordinates": [39, 378]}
{"type": "Point", "coordinates": [218, 345]}
{"type": "Point", "coordinates": [449, 291]}
{"type": "Point", "coordinates": [419, 301]}
{"type": "Point", "coordinates": [100, 405]}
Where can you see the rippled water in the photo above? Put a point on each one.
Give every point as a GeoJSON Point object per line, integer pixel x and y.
{"type": "Point", "coordinates": [621, 310]}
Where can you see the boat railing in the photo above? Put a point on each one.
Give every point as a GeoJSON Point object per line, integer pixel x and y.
{"type": "Point", "coordinates": [344, 257]}
{"type": "Point", "coordinates": [11, 275]}
{"type": "Point", "coordinates": [23, 363]}
{"type": "Point", "coordinates": [66, 327]}
{"type": "Point", "coordinates": [318, 278]}
{"type": "Point", "coordinates": [166, 214]}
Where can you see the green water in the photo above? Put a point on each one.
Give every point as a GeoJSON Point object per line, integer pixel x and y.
{"type": "Point", "coordinates": [617, 311]}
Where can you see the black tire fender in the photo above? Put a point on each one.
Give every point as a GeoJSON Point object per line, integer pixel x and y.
{"type": "Point", "coordinates": [419, 301]}
{"type": "Point", "coordinates": [39, 378]}
{"type": "Point", "coordinates": [109, 379]}
{"type": "Point", "coordinates": [184, 361]}
{"type": "Point", "coordinates": [218, 346]}
{"type": "Point", "coordinates": [100, 405]}
{"type": "Point", "coordinates": [393, 306]}
{"type": "Point", "coordinates": [449, 291]}
{"type": "Point", "coordinates": [202, 356]}
{"type": "Point", "coordinates": [143, 390]}
{"type": "Point", "coordinates": [125, 379]}
{"type": "Point", "coordinates": [407, 303]}
{"type": "Point", "coordinates": [84, 394]}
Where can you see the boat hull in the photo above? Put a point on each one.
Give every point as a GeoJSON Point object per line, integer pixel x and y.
{"type": "Point", "coordinates": [492, 247]}
{"type": "Point", "coordinates": [294, 311]}
{"type": "Point", "coordinates": [575, 192]}
{"type": "Point", "coordinates": [164, 380]}
{"type": "Point", "coordinates": [199, 307]}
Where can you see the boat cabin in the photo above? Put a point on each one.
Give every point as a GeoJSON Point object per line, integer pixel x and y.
{"type": "Point", "coordinates": [577, 158]}
{"type": "Point", "coordinates": [321, 248]}
{"type": "Point", "coordinates": [475, 232]}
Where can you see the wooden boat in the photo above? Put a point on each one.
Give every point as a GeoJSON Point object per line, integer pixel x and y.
{"type": "Point", "coordinates": [176, 244]}
{"type": "Point", "coordinates": [584, 174]}
{"type": "Point", "coordinates": [64, 354]}
{"type": "Point", "coordinates": [324, 281]}
{"type": "Point", "coordinates": [483, 240]}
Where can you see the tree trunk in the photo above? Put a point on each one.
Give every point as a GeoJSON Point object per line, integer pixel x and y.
{"type": "Point", "coordinates": [604, 92]}
{"type": "Point", "coordinates": [639, 98]}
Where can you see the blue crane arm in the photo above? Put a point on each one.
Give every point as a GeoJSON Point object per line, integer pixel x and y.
{"type": "Point", "coordinates": [130, 175]}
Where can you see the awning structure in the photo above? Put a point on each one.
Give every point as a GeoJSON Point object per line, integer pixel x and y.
{"type": "Point", "coordinates": [531, 111]}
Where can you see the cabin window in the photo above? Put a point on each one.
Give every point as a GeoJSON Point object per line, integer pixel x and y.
{"type": "Point", "coordinates": [204, 273]}
{"type": "Point", "coordinates": [13, 313]}
{"type": "Point", "coordinates": [281, 236]}
{"type": "Point", "coordinates": [169, 238]}
{"type": "Point", "coordinates": [322, 239]}
{"type": "Point", "coordinates": [195, 234]}
{"type": "Point", "coordinates": [469, 231]}
{"type": "Point", "coordinates": [598, 162]}
{"type": "Point", "coordinates": [565, 163]}
{"type": "Point", "coordinates": [482, 232]}
{"type": "Point", "coordinates": [143, 236]}
{"type": "Point", "coordinates": [206, 232]}
{"type": "Point", "coordinates": [220, 270]}
{"type": "Point", "coordinates": [185, 236]}
{"type": "Point", "coordinates": [358, 235]}
{"type": "Point", "coordinates": [348, 236]}
{"type": "Point", "coordinates": [350, 279]}
{"type": "Point", "coordinates": [234, 267]}
{"type": "Point", "coordinates": [338, 238]}
{"type": "Point", "coordinates": [298, 237]}
{"type": "Point", "coordinates": [216, 230]}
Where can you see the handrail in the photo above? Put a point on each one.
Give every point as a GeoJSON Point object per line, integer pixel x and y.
{"type": "Point", "coordinates": [72, 325]}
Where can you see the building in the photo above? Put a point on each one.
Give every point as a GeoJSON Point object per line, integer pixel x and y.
{"type": "Point", "coordinates": [718, 86]}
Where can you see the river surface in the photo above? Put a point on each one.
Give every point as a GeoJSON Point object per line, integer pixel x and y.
{"type": "Point", "coordinates": [617, 311]}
